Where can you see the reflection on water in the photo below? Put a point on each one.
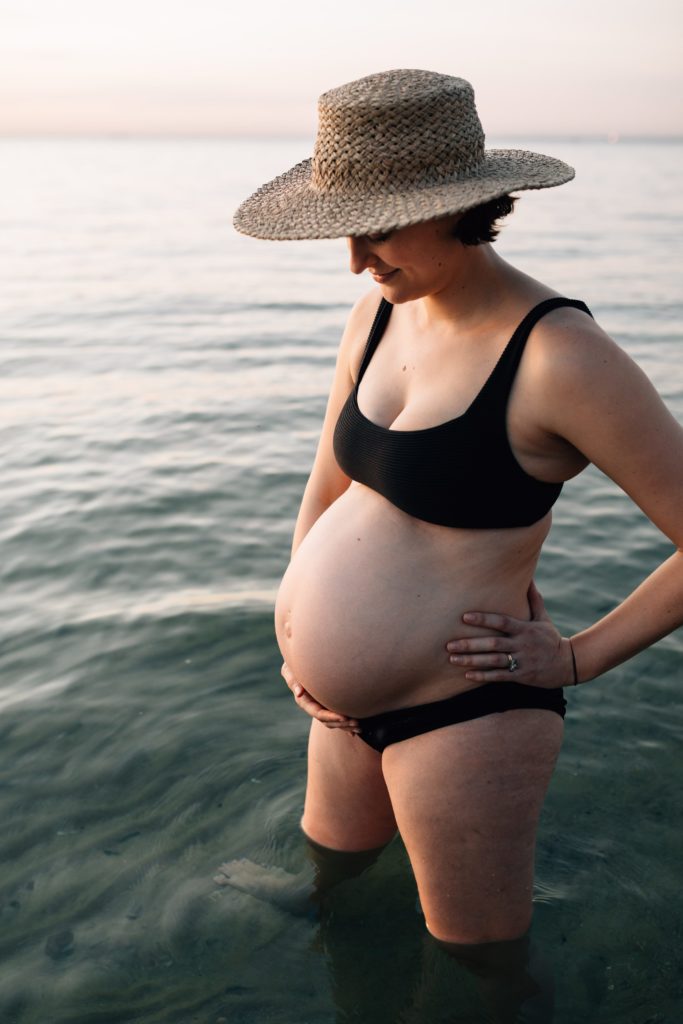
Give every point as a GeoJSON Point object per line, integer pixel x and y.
{"type": "Point", "coordinates": [163, 383]}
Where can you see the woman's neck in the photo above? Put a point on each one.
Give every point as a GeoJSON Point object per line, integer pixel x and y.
{"type": "Point", "coordinates": [481, 283]}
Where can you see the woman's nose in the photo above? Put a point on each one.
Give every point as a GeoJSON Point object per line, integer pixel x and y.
{"type": "Point", "coordinates": [358, 254]}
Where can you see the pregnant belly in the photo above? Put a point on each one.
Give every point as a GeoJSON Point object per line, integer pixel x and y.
{"type": "Point", "coordinates": [371, 597]}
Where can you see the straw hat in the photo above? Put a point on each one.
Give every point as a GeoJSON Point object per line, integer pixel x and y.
{"type": "Point", "coordinates": [395, 148]}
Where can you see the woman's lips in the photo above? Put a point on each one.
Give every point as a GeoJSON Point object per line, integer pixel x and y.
{"type": "Point", "coordinates": [381, 278]}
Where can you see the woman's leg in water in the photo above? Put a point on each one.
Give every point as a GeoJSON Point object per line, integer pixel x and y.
{"type": "Point", "coordinates": [347, 822]}
{"type": "Point", "coordinates": [347, 804]}
{"type": "Point", "coordinates": [467, 799]}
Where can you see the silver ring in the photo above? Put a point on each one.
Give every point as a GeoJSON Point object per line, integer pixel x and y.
{"type": "Point", "coordinates": [513, 664]}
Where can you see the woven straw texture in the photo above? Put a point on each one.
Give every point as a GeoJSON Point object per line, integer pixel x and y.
{"type": "Point", "coordinates": [393, 149]}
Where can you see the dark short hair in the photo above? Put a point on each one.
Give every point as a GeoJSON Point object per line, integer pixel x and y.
{"type": "Point", "coordinates": [479, 224]}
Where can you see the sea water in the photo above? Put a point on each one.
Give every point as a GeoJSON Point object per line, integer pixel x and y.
{"type": "Point", "coordinates": [162, 386]}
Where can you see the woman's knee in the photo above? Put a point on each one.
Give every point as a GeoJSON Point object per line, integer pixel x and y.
{"type": "Point", "coordinates": [346, 835]}
{"type": "Point", "coordinates": [486, 952]}
{"type": "Point", "coordinates": [488, 929]}
{"type": "Point", "coordinates": [514, 980]}
{"type": "Point", "coordinates": [332, 866]}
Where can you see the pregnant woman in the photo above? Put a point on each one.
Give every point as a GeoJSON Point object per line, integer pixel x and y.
{"type": "Point", "coordinates": [465, 394]}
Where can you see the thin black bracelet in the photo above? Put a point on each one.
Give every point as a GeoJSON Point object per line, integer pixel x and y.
{"type": "Point", "coordinates": [576, 674]}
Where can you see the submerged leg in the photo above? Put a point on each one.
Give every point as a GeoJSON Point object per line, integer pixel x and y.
{"type": "Point", "coordinates": [515, 983]}
{"type": "Point", "coordinates": [369, 932]}
{"type": "Point", "coordinates": [467, 798]}
{"type": "Point", "coordinates": [347, 822]}
{"type": "Point", "coordinates": [334, 866]}
{"type": "Point", "coordinates": [297, 893]}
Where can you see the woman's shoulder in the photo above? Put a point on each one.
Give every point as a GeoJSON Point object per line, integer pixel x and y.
{"type": "Point", "coordinates": [564, 328]}
{"type": "Point", "coordinates": [358, 325]}
{"type": "Point", "coordinates": [364, 309]}
{"type": "Point", "coordinates": [581, 383]}
{"type": "Point", "coordinates": [570, 343]}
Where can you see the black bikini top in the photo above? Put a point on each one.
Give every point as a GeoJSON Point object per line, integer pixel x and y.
{"type": "Point", "coordinates": [461, 473]}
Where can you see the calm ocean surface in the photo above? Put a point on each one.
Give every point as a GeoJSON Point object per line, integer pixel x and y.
{"type": "Point", "coordinates": [162, 385]}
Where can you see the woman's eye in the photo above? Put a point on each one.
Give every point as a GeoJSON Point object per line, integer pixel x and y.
{"type": "Point", "coordinates": [377, 238]}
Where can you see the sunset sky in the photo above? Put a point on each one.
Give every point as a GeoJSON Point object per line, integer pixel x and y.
{"type": "Point", "coordinates": [217, 67]}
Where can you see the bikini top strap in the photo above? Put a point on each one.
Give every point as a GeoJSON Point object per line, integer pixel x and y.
{"type": "Point", "coordinates": [503, 375]}
{"type": "Point", "coordinates": [376, 331]}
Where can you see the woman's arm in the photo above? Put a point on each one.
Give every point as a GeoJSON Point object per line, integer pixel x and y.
{"type": "Point", "coordinates": [327, 481]}
{"type": "Point", "coordinates": [592, 395]}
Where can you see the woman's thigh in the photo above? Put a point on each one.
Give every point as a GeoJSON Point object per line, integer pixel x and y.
{"type": "Point", "coordinates": [347, 804]}
{"type": "Point", "coordinates": [467, 799]}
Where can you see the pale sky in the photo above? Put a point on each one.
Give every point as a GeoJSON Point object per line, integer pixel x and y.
{"type": "Point", "coordinates": [221, 67]}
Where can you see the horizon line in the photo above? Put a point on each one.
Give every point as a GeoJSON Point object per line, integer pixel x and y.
{"type": "Point", "coordinates": [609, 137]}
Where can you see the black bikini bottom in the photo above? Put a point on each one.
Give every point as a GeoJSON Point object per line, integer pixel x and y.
{"type": "Point", "coordinates": [379, 731]}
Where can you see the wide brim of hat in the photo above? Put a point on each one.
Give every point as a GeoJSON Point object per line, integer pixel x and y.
{"type": "Point", "coordinates": [288, 207]}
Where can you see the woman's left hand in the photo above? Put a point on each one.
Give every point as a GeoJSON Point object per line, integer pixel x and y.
{"type": "Point", "coordinates": [523, 651]}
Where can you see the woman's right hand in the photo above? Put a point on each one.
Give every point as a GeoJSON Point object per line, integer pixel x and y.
{"type": "Point", "coordinates": [307, 703]}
